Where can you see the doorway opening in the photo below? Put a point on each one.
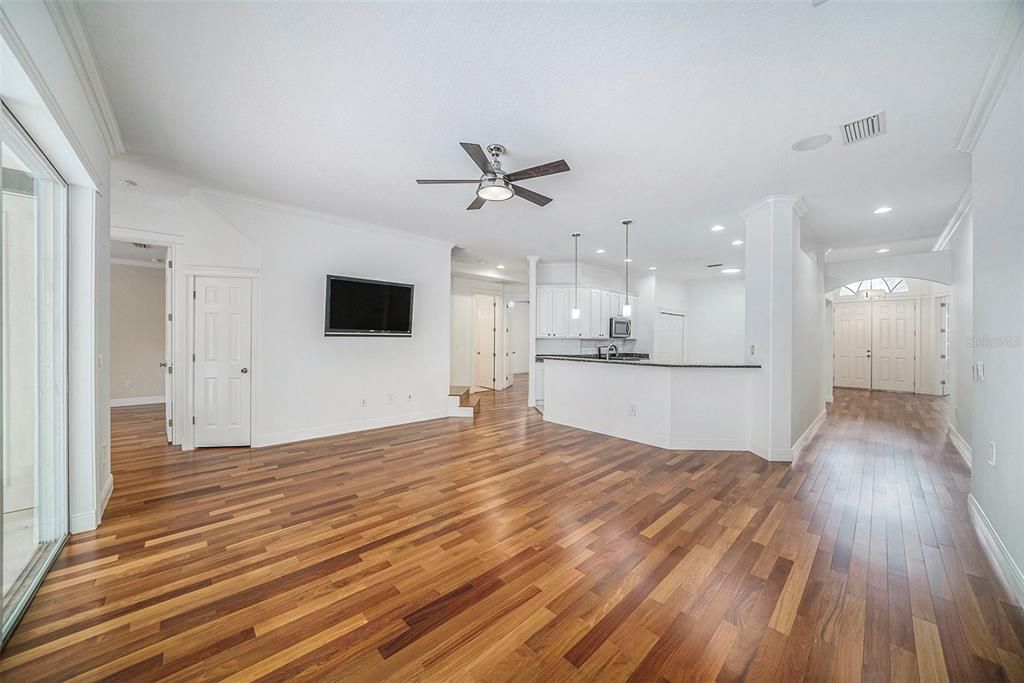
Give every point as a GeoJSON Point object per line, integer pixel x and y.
{"type": "Point", "coordinates": [891, 334]}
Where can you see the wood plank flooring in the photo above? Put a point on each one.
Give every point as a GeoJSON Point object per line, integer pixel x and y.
{"type": "Point", "coordinates": [506, 548]}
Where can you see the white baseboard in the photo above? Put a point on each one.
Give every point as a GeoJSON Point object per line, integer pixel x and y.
{"type": "Point", "coordinates": [709, 445]}
{"type": "Point", "coordinates": [995, 549]}
{"type": "Point", "coordinates": [809, 433]}
{"type": "Point", "coordinates": [277, 438]}
{"type": "Point", "coordinates": [137, 401]}
{"type": "Point", "coordinates": [961, 445]}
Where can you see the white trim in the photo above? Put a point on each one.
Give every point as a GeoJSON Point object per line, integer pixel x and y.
{"type": "Point", "coordinates": [68, 23]}
{"type": "Point", "coordinates": [136, 401]}
{"type": "Point", "coordinates": [996, 549]}
{"type": "Point", "coordinates": [299, 212]}
{"type": "Point", "coordinates": [961, 445]}
{"type": "Point", "coordinates": [962, 209]}
{"type": "Point", "coordinates": [797, 202]}
{"type": "Point", "coordinates": [1008, 47]}
{"type": "Point", "coordinates": [221, 271]}
{"type": "Point", "coordinates": [118, 261]}
{"type": "Point", "coordinates": [277, 438]}
{"type": "Point", "coordinates": [108, 490]}
{"type": "Point", "coordinates": [809, 433]}
{"type": "Point", "coordinates": [162, 239]}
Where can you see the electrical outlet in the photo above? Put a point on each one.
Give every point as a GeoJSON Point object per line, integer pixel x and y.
{"type": "Point", "coordinates": [390, 398]}
{"type": "Point", "coordinates": [410, 398]}
{"type": "Point", "coordinates": [362, 403]}
{"type": "Point", "coordinates": [631, 410]}
{"type": "Point", "coordinates": [128, 384]}
{"type": "Point", "coordinates": [992, 453]}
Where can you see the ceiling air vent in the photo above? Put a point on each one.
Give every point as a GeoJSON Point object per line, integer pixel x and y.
{"type": "Point", "coordinates": [141, 245]}
{"type": "Point", "coordinates": [862, 129]}
{"type": "Point", "coordinates": [714, 265]}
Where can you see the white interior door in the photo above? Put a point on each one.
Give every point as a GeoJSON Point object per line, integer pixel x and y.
{"type": "Point", "coordinates": [521, 338]}
{"type": "Point", "coordinates": [852, 345]}
{"type": "Point", "coordinates": [893, 334]}
{"type": "Point", "coordinates": [223, 350]}
{"type": "Point", "coordinates": [168, 350]}
{"type": "Point", "coordinates": [668, 343]}
{"type": "Point", "coordinates": [483, 340]}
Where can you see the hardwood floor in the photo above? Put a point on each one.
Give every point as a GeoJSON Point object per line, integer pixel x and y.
{"type": "Point", "coordinates": [506, 548]}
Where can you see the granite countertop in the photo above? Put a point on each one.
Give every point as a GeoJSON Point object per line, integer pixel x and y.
{"type": "Point", "coordinates": [640, 359]}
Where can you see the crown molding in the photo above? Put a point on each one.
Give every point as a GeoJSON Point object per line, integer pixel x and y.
{"type": "Point", "coordinates": [961, 211]}
{"type": "Point", "coordinates": [69, 25]}
{"type": "Point", "coordinates": [35, 77]}
{"type": "Point", "coordinates": [794, 200]}
{"type": "Point", "coordinates": [1008, 47]}
{"type": "Point", "coordinates": [310, 214]}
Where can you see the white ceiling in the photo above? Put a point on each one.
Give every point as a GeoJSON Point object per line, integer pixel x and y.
{"type": "Point", "coordinates": [130, 252]}
{"type": "Point", "coordinates": [676, 115]}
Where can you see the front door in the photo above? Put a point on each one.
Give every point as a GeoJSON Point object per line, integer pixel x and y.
{"type": "Point", "coordinates": [892, 347]}
{"type": "Point", "coordinates": [852, 362]}
{"type": "Point", "coordinates": [223, 355]}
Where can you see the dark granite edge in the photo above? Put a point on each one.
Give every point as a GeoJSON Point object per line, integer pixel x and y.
{"type": "Point", "coordinates": [647, 363]}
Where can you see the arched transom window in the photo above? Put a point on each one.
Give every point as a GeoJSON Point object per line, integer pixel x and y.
{"type": "Point", "coordinates": [889, 285]}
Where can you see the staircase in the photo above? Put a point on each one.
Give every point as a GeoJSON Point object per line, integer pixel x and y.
{"type": "Point", "coordinates": [461, 403]}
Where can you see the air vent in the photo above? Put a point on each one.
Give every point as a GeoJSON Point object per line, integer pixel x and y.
{"type": "Point", "coordinates": [140, 245]}
{"type": "Point", "coordinates": [714, 265]}
{"type": "Point", "coordinates": [862, 129]}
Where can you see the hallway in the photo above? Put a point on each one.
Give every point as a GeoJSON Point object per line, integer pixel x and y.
{"type": "Point", "coordinates": [507, 548]}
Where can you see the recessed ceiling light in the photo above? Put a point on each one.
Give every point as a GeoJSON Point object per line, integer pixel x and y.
{"type": "Point", "coordinates": [731, 271]}
{"type": "Point", "coordinates": [883, 250]}
{"type": "Point", "coordinates": [599, 251]}
{"type": "Point", "coordinates": [652, 267]}
{"type": "Point", "coordinates": [883, 209]}
{"type": "Point", "coordinates": [811, 143]}
{"type": "Point", "coordinates": [627, 260]}
{"type": "Point", "coordinates": [737, 243]}
{"type": "Point", "coordinates": [717, 228]}
{"type": "Point", "coordinates": [500, 266]}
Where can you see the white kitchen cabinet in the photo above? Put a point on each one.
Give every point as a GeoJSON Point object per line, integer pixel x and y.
{"type": "Point", "coordinates": [538, 381]}
{"type": "Point", "coordinates": [560, 311]}
{"type": "Point", "coordinates": [544, 327]}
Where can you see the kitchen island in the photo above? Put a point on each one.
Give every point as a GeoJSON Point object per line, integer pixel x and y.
{"type": "Point", "coordinates": [694, 406]}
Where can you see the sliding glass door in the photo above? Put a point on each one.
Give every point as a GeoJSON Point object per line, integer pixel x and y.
{"type": "Point", "coordinates": [33, 368]}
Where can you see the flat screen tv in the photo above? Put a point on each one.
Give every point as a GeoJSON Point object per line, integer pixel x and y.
{"type": "Point", "coordinates": [367, 308]}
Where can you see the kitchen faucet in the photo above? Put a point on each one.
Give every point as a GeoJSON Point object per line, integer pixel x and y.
{"type": "Point", "coordinates": [608, 351]}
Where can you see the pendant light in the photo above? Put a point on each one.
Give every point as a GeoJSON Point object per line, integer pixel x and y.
{"type": "Point", "coordinates": [576, 272]}
{"type": "Point", "coordinates": [627, 310]}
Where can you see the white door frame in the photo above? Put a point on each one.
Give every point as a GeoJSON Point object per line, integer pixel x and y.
{"type": "Point", "coordinates": [918, 302]}
{"type": "Point", "coordinates": [171, 243]}
{"type": "Point", "coordinates": [189, 432]}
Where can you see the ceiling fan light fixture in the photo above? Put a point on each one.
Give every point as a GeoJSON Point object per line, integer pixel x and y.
{"type": "Point", "coordinates": [494, 189]}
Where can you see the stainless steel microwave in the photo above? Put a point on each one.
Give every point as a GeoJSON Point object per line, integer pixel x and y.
{"type": "Point", "coordinates": [620, 327]}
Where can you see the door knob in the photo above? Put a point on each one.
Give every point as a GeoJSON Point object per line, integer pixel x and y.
{"type": "Point", "coordinates": [245, 371]}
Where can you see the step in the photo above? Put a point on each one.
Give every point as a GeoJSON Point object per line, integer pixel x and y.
{"type": "Point", "coordinates": [474, 403]}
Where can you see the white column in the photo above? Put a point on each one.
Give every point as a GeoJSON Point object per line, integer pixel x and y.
{"type": "Point", "coordinates": [531, 401]}
{"type": "Point", "coordinates": [772, 238]}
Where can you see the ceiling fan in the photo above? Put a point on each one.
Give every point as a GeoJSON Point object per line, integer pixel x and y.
{"type": "Point", "coordinates": [495, 185]}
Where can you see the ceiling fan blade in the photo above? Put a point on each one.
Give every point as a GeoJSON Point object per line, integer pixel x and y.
{"type": "Point", "coordinates": [421, 181]}
{"type": "Point", "coordinates": [476, 153]}
{"type": "Point", "coordinates": [537, 171]}
{"type": "Point", "coordinates": [531, 196]}
{"type": "Point", "coordinates": [477, 203]}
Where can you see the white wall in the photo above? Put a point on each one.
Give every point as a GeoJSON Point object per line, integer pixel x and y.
{"type": "Point", "coordinates": [42, 87]}
{"type": "Point", "coordinates": [998, 261]}
{"type": "Point", "coordinates": [809, 395]}
{"type": "Point", "coordinates": [715, 321]}
{"type": "Point", "coordinates": [961, 311]}
{"type": "Point", "coordinates": [306, 385]}
{"type": "Point", "coordinates": [136, 332]}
